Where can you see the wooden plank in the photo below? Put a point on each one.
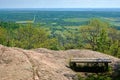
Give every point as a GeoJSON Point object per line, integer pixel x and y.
{"type": "Point", "coordinates": [91, 60]}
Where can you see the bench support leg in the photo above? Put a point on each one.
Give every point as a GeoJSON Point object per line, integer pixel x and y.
{"type": "Point", "coordinates": [106, 66]}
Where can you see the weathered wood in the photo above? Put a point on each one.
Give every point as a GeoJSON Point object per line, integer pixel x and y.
{"type": "Point", "coordinates": [90, 60]}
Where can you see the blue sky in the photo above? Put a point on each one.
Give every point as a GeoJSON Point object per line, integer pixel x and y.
{"type": "Point", "coordinates": [59, 3]}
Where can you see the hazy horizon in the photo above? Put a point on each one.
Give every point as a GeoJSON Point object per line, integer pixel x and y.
{"type": "Point", "coordinates": [59, 3]}
{"type": "Point", "coordinates": [60, 9]}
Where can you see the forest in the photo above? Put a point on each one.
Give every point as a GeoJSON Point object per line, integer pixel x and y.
{"type": "Point", "coordinates": [96, 35]}
{"type": "Point", "coordinates": [61, 30]}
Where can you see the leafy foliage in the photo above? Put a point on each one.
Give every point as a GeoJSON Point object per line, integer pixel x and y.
{"type": "Point", "coordinates": [97, 34]}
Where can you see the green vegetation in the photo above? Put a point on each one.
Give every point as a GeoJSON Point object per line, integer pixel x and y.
{"type": "Point", "coordinates": [76, 19]}
{"type": "Point", "coordinates": [99, 36]}
{"type": "Point", "coordinates": [60, 18]}
{"type": "Point", "coordinates": [96, 35]}
{"type": "Point", "coordinates": [27, 37]}
{"type": "Point", "coordinates": [100, 76]}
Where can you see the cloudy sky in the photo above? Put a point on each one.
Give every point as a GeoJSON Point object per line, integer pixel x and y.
{"type": "Point", "coordinates": [59, 3]}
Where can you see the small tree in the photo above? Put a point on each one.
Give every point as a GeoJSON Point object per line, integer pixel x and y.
{"type": "Point", "coordinates": [94, 33]}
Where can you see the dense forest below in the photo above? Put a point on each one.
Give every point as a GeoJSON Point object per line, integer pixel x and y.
{"type": "Point", "coordinates": [95, 35]}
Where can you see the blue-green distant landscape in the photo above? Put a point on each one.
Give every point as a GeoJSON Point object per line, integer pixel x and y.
{"type": "Point", "coordinates": [61, 16]}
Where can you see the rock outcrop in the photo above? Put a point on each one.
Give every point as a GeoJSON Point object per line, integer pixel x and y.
{"type": "Point", "coordinates": [40, 64]}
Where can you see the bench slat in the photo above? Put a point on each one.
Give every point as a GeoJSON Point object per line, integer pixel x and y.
{"type": "Point", "coordinates": [91, 60]}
